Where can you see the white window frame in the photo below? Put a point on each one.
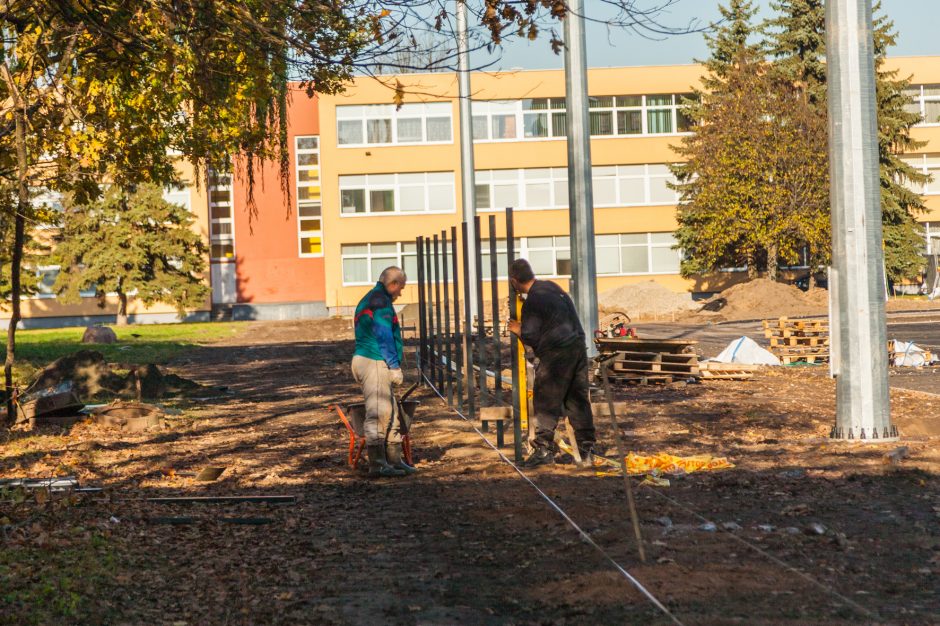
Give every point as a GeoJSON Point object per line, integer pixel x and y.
{"type": "Point", "coordinates": [404, 250]}
{"type": "Point", "coordinates": [308, 203]}
{"type": "Point", "coordinates": [219, 182]}
{"type": "Point", "coordinates": [364, 113]}
{"type": "Point", "coordinates": [920, 100]}
{"type": "Point", "coordinates": [372, 182]}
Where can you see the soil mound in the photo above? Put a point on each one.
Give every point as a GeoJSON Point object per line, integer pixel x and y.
{"type": "Point", "coordinates": [648, 300]}
{"type": "Point", "coordinates": [765, 299]}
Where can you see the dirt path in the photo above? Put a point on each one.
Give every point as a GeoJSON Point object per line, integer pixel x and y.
{"type": "Point", "coordinates": [466, 541]}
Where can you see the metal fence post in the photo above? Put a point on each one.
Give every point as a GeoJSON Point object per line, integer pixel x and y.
{"type": "Point", "coordinates": [497, 344]}
{"type": "Point", "coordinates": [481, 328]}
{"type": "Point", "coordinates": [439, 337]}
{"type": "Point", "coordinates": [468, 331]}
{"type": "Point", "coordinates": [520, 388]}
{"type": "Point", "coordinates": [422, 312]}
{"type": "Point", "coordinates": [448, 338]}
{"type": "Point", "coordinates": [428, 298]}
{"type": "Point", "coordinates": [458, 353]}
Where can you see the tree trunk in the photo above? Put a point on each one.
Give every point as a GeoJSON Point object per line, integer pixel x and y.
{"type": "Point", "coordinates": [122, 308]}
{"type": "Point", "coordinates": [19, 235]}
{"type": "Point", "coordinates": [751, 265]}
{"type": "Point", "coordinates": [772, 261]}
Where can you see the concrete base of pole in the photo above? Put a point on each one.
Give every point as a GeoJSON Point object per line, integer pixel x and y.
{"type": "Point", "coordinates": [857, 434]}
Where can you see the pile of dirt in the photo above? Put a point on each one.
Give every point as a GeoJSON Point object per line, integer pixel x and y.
{"type": "Point", "coordinates": [646, 300]}
{"type": "Point", "coordinates": [764, 299]}
{"type": "Point", "coordinates": [92, 377]}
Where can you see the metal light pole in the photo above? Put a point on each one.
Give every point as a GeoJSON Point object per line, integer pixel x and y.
{"type": "Point", "coordinates": [467, 186]}
{"type": "Point", "coordinates": [580, 189]}
{"type": "Point", "coordinates": [857, 287]}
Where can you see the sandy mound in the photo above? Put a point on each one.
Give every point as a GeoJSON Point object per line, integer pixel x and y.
{"type": "Point", "coordinates": [648, 300]}
{"type": "Point", "coordinates": [765, 299]}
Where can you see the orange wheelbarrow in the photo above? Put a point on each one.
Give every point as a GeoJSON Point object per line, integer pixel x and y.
{"type": "Point", "coordinates": [354, 418]}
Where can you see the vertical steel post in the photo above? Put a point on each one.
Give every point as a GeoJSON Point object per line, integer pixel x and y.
{"type": "Point", "coordinates": [520, 390]}
{"type": "Point", "coordinates": [422, 312]}
{"type": "Point", "coordinates": [497, 357]}
{"type": "Point", "coordinates": [428, 298]}
{"type": "Point", "coordinates": [467, 185]}
{"type": "Point", "coordinates": [481, 326]}
{"type": "Point", "coordinates": [468, 330]}
{"type": "Point", "coordinates": [580, 189]}
{"type": "Point", "coordinates": [494, 290]}
{"type": "Point", "coordinates": [858, 297]}
{"type": "Point", "coordinates": [458, 354]}
{"type": "Point", "coordinates": [448, 338]}
{"type": "Point", "coordinates": [438, 336]}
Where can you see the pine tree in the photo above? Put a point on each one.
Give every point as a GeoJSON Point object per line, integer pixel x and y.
{"type": "Point", "coordinates": [744, 197]}
{"type": "Point", "coordinates": [131, 242]}
{"type": "Point", "coordinates": [797, 42]}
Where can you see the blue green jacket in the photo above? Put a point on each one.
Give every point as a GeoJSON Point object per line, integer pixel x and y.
{"type": "Point", "coordinates": [378, 334]}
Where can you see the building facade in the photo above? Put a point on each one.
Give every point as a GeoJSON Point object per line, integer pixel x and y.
{"type": "Point", "coordinates": [367, 177]}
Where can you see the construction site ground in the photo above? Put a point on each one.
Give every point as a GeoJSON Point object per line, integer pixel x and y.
{"type": "Point", "coordinates": [808, 531]}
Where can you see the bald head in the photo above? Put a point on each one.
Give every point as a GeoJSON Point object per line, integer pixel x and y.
{"type": "Point", "coordinates": [394, 280]}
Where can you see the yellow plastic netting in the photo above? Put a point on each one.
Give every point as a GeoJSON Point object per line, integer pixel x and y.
{"type": "Point", "coordinates": [664, 463]}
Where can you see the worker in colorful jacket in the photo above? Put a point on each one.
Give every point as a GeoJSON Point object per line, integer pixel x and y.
{"type": "Point", "coordinates": [376, 366]}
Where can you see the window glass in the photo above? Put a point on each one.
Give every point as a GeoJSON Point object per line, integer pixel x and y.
{"type": "Point", "coordinates": [410, 266]}
{"type": "Point", "coordinates": [629, 101]}
{"type": "Point", "coordinates": [629, 122]}
{"type": "Point", "coordinates": [561, 192]}
{"type": "Point", "coordinates": [659, 100]}
{"type": "Point", "coordinates": [409, 129]}
{"type": "Point", "coordinates": [541, 242]}
{"type": "Point", "coordinates": [634, 260]}
{"type": "Point", "coordinates": [412, 198]}
{"type": "Point", "coordinates": [349, 132]}
{"type": "Point", "coordinates": [481, 130]}
{"type": "Point", "coordinates": [354, 248]}
{"type": "Point", "coordinates": [355, 271]}
{"type": "Point", "coordinates": [311, 245]}
{"type": "Point", "coordinates": [307, 143]}
{"type": "Point", "coordinates": [439, 129]}
{"type": "Point", "coordinates": [352, 201]}
{"type": "Point", "coordinates": [932, 112]}
{"type": "Point", "coordinates": [536, 124]}
{"type": "Point", "coordinates": [379, 263]}
{"type": "Point", "coordinates": [600, 101]}
{"type": "Point", "coordinates": [538, 195]}
{"type": "Point", "coordinates": [632, 191]}
{"type": "Point", "coordinates": [661, 238]}
{"type": "Point", "coordinates": [608, 260]}
{"type": "Point", "coordinates": [665, 260]}
{"type": "Point", "coordinates": [382, 200]}
{"type": "Point", "coordinates": [504, 127]}
{"type": "Point", "coordinates": [660, 193]}
{"type": "Point", "coordinates": [379, 131]}
{"type": "Point", "coordinates": [562, 262]}
{"type": "Point", "coordinates": [633, 239]}
{"type": "Point", "coordinates": [307, 175]}
{"type": "Point", "coordinates": [482, 195]}
{"type": "Point", "coordinates": [542, 262]}
{"type": "Point", "coordinates": [659, 121]}
{"type": "Point", "coordinates": [311, 224]}
{"type": "Point", "coordinates": [684, 123]}
{"type": "Point", "coordinates": [602, 123]}
{"type": "Point", "coordinates": [932, 90]}
{"type": "Point", "coordinates": [219, 212]}
{"type": "Point", "coordinates": [559, 124]}
{"type": "Point", "coordinates": [441, 197]}
{"type": "Point", "coordinates": [221, 229]}
{"type": "Point", "coordinates": [605, 191]}
{"type": "Point", "coordinates": [505, 195]}
{"type": "Point", "coordinates": [535, 104]}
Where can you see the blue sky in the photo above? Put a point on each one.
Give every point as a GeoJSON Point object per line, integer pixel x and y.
{"type": "Point", "coordinates": [916, 22]}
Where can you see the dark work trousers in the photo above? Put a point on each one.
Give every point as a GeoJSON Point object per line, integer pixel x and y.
{"type": "Point", "coordinates": [561, 389]}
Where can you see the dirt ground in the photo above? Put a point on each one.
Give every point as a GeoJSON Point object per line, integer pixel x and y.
{"type": "Point", "coordinates": [467, 541]}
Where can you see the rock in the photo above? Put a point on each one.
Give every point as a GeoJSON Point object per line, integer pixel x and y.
{"type": "Point", "coordinates": [99, 334]}
{"type": "Point", "coordinates": [708, 527]}
{"type": "Point", "coordinates": [815, 529]}
{"type": "Point", "coordinates": [792, 530]}
{"type": "Point", "coordinates": [895, 456]}
{"type": "Point", "coordinates": [730, 526]}
{"type": "Point", "coordinates": [766, 528]}
{"type": "Point", "coordinates": [792, 473]}
{"type": "Point", "coordinates": [664, 521]}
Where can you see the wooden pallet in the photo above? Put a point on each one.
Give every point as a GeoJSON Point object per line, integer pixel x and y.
{"type": "Point", "coordinates": [798, 340]}
{"type": "Point", "coordinates": [608, 345]}
{"type": "Point", "coordinates": [789, 359]}
{"type": "Point", "coordinates": [726, 371]}
{"type": "Point", "coordinates": [646, 367]}
{"type": "Point", "coordinates": [793, 341]}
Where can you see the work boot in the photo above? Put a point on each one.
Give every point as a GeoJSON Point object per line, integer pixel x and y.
{"type": "Point", "coordinates": [396, 458]}
{"type": "Point", "coordinates": [587, 456]}
{"type": "Point", "coordinates": [378, 465]}
{"type": "Point", "coordinates": [540, 456]}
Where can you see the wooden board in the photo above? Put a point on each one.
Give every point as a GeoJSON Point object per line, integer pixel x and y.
{"type": "Point", "coordinates": [626, 344]}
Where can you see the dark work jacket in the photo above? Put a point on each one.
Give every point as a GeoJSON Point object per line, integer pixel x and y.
{"type": "Point", "coordinates": [549, 319]}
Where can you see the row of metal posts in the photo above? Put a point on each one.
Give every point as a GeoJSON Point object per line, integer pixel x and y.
{"type": "Point", "coordinates": [446, 354]}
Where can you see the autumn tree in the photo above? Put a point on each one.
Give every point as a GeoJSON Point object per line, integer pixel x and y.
{"type": "Point", "coordinates": [797, 43]}
{"type": "Point", "coordinates": [131, 242]}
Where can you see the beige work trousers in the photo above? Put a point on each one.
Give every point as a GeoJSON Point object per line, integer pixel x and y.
{"type": "Point", "coordinates": [382, 422]}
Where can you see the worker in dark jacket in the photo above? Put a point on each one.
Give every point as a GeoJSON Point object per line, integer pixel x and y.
{"type": "Point", "coordinates": [550, 326]}
{"type": "Point", "coordinates": [376, 366]}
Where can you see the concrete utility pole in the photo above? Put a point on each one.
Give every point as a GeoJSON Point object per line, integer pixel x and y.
{"type": "Point", "coordinates": [857, 286]}
{"type": "Point", "coordinates": [467, 184]}
{"type": "Point", "coordinates": [580, 189]}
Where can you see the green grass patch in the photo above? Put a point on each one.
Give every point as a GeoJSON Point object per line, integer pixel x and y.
{"type": "Point", "coordinates": [152, 343]}
{"type": "Point", "coordinates": [54, 584]}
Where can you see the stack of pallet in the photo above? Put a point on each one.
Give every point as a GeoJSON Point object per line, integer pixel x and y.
{"type": "Point", "coordinates": [798, 340]}
{"type": "Point", "coordinates": [642, 361]}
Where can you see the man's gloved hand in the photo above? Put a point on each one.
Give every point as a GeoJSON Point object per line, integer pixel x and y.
{"type": "Point", "coordinates": [396, 376]}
